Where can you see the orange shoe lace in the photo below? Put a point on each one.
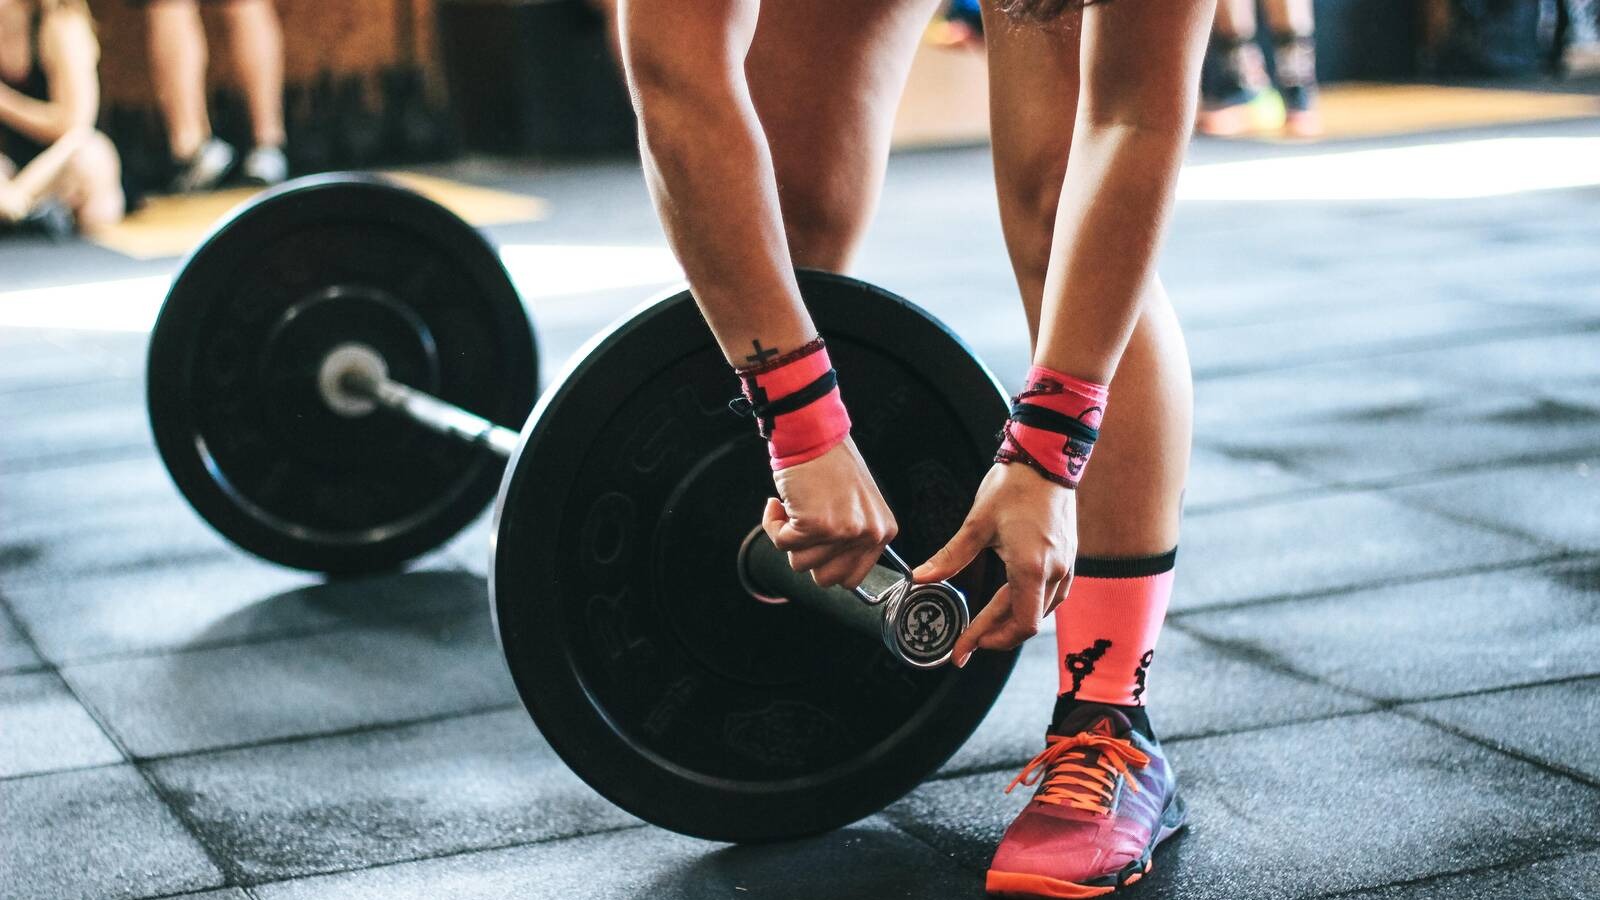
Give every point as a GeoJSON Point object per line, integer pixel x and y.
{"type": "Point", "coordinates": [1075, 776]}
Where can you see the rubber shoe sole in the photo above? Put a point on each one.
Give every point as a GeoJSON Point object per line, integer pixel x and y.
{"type": "Point", "coordinates": [1025, 886]}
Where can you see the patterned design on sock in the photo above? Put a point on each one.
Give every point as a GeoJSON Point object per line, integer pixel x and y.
{"type": "Point", "coordinates": [1080, 665]}
{"type": "Point", "coordinates": [1139, 674]}
{"type": "Point", "coordinates": [1107, 629]}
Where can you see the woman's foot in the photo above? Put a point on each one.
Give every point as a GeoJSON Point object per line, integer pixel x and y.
{"type": "Point", "coordinates": [1106, 797]}
{"type": "Point", "coordinates": [265, 166]}
{"type": "Point", "coordinates": [1295, 59]}
{"type": "Point", "coordinates": [205, 168]}
{"type": "Point", "coordinates": [1236, 97]}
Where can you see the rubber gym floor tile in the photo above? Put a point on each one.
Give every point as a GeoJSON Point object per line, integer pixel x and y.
{"type": "Point", "coordinates": [385, 796]}
{"type": "Point", "coordinates": [387, 671]}
{"type": "Point", "coordinates": [870, 860]}
{"type": "Point", "coordinates": [1413, 441]}
{"type": "Point", "coordinates": [103, 517]}
{"type": "Point", "coordinates": [1432, 638]}
{"type": "Point", "coordinates": [1336, 392]}
{"type": "Point", "coordinates": [1342, 333]}
{"type": "Point", "coordinates": [1194, 689]}
{"type": "Point", "coordinates": [15, 651]}
{"type": "Point", "coordinates": [1325, 543]}
{"type": "Point", "coordinates": [1557, 502]}
{"type": "Point", "coordinates": [1556, 723]}
{"type": "Point", "coordinates": [1310, 809]}
{"type": "Point", "coordinates": [198, 603]}
{"type": "Point", "coordinates": [100, 833]}
{"type": "Point", "coordinates": [1534, 363]}
{"type": "Point", "coordinates": [94, 419]}
{"type": "Point", "coordinates": [1575, 877]}
{"type": "Point", "coordinates": [43, 728]}
{"type": "Point", "coordinates": [31, 363]}
{"type": "Point", "coordinates": [1216, 479]}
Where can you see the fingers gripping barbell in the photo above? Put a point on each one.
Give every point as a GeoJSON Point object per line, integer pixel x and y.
{"type": "Point", "coordinates": [330, 382]}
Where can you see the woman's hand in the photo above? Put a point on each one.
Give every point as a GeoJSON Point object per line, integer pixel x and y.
{"type": "Point", "coordinates": [1032, 524]}
{"type": "Point", "coordinates": [831, 520]}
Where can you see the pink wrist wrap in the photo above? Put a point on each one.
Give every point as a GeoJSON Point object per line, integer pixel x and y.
{"type": "Point", "coordinates": [795, 400]}
{"type": "Point", "coordinates": [1053, 426]}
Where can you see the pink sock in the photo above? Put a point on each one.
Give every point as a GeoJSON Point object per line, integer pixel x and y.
{"type": "Point", "coordinates": [1107, 627]}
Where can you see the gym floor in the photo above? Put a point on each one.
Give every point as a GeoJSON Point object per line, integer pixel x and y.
{"type": "Point", "coordinates": [1381, 677]}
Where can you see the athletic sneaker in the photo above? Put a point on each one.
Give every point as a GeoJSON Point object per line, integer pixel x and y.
{"type": "Point", "coordinates": [1297, 81]}
{"type": "Point", "coordinates": [206, 168]}
{"type": "Point", "coordinates": [1236, 96]}
{"type": "Point", "coordinates": [1105, 798]}
{"type": "Point", "coordinates": [266, 166]}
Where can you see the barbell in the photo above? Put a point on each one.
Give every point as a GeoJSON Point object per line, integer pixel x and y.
{"type": "Point", "coordinates": [331, 380]}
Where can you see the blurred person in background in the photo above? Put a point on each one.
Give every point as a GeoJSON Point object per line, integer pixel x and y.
{"type": "Point", "coordinates": [55, 168]}
{"type": "Point", "coordinates": [1238, 97]}
{"type": "Point", "coordinates": [178, 58]}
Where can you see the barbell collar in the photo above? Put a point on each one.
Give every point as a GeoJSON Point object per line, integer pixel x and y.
{"type": "Point", "coordinates": [917, 623]}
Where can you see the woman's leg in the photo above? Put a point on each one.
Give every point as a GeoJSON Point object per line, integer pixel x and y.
{"type": "Point", "coordinates": [255, 40]}
{"type": "Point", "coordinates": [92, 185]}
{"type": "Point", "coordinates": [22, 191]}
{"type": "Point", "coordinates": [1129, 501]}
{"type": "Point", "coordinates": [1294, 59]}
{"type": "Point", "coordinates": [1234, 85]}
{"type": "Point", "coordinates": [178, 67]}
{"type": "Point", "coordinates": [1128, 507]}
{"type": "Point", "coordinates": [826, 78]}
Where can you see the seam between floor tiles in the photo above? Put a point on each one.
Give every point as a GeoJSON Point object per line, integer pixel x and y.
{"type": "Point", "coordinates": [1012, 765]}
{"type": "Point", "coordinates": [1475, 870]}
{"type": "Point", "coordinates": [1466, 338]}
{"type": "Point", "coordinates": [1515, 565]}
{"type": "Point", "coordinates": [351, 731]}
{"type": "Point", "coordinates": [943, 855]}
{"type": "Point", "coordinates": [249, 886]}
{"type": "Point", "coordinates": [1538, 762]}
{"type": "Point", "coordinates": [260, 638]}
{"type": "Point", "coordinates": [1323, 483]}
{"type": "Point", "coordinates": [1274, 661]}
{"type": "Point", "coordinates": [59, 461]}
{"type": "Point", "coordinates": [215, 858]}
{"type": "Point", "coordinates": [21, 628]}
{"type": "Point", "coordinates": [285, 740]}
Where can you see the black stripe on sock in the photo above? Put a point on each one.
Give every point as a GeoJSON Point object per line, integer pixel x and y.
{"type": "Point", "coordinates": [1125, 567]}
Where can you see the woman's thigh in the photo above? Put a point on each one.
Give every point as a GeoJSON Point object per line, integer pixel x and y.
{"type": "Point", "coordinates": [826, 78]}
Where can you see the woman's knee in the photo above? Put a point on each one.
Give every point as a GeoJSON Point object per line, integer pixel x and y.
{"type": "Point", "coordinates": [96, 174]}
{"type": "Point", "coordinates": [1030, 191]}
{"type": "Point", "coordinates": [823, 225]}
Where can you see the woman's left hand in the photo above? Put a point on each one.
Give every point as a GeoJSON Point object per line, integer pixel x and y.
{"type": "Point", "coordinates": [1032, 524]}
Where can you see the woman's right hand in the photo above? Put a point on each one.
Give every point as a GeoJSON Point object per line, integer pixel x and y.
{"type": "Point", "coordinates": [830, 517]}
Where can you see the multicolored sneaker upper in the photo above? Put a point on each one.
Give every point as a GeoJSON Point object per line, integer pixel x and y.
{"type": "Point", "coordinates": [1105, 797]}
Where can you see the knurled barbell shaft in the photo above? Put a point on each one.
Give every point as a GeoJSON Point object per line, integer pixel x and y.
{"type": "Point", "coordinates": [766, 573]}
{"type": "Point", "coordinates": [918, 623]}
{"type": "Point", "coordinates": [432, 413]}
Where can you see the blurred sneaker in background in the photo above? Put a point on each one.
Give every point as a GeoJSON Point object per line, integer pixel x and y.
{"type": "Point", "coordinates": [206, 168]}
{"type": "Point", "coordinates": [1294, 61]}
{"type": "Point", "coordinates": [1235, 96]}
{"type": "Point", "coordinates": [266, 166]}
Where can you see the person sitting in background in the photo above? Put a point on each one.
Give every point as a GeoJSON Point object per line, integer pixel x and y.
{"type": "Point", "coordinates": [178, 56]}
{"type": "Point", "coordinates": [51, 157]}
{"type": "Point", "coordinates": [1238, 98]}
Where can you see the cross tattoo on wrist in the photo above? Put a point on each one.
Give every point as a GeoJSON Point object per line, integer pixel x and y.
{"type": "Point", "coordinates": [762, 354]}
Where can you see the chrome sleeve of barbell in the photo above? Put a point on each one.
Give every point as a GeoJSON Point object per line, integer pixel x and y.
{"type": "Point", "coordinates": [446, 418]}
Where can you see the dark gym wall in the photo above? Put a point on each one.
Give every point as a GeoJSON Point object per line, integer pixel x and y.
{"type": "Point", "coordinates": [344, 37]}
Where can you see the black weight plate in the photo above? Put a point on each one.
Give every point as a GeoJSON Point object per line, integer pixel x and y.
{"type": "Point", "coordinates": [651, 672]}
{"type": "Point", "coordinates": [235, 352]}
